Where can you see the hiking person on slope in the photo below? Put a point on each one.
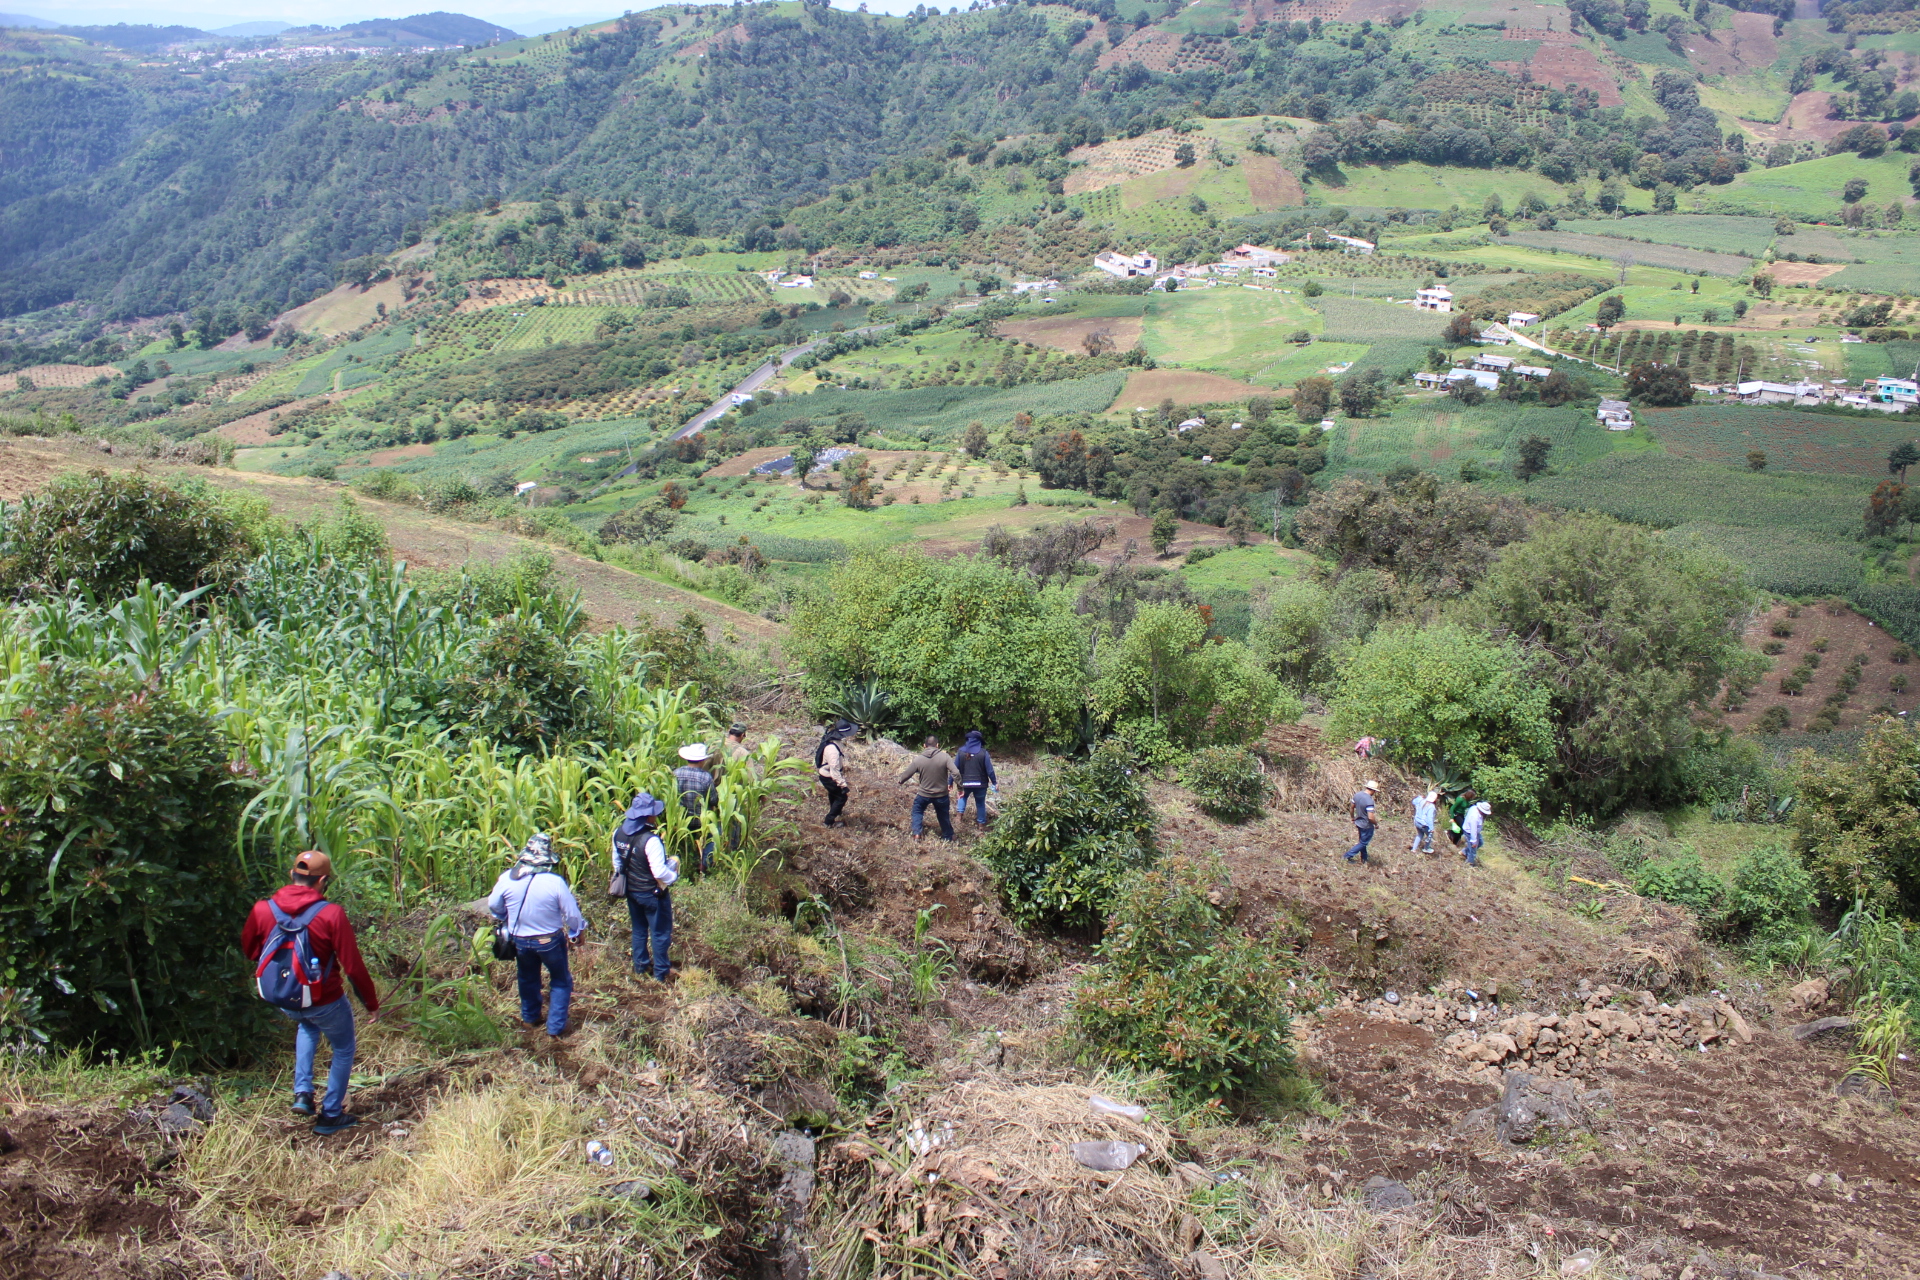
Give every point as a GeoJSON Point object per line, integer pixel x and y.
{"type": "Point", "coordinates": [975, 767]}
{"type": "Point", "coordinates": [1425, 814]}
{"type": "Point", "coordinates": [640, 859]}
{"type": "Point", "coordinates": [1474, 827]}
{"type": "Point", "coordinates": [830, 761]}
{"type": "Point", "coordinates": [694, 781]}
{"type": "Point", "coordinates": [299, 929]}
{"type": "Point", "coordinates": [1363, 819]}
{"type": "Point", "coordinates": [1457, 813]}
{"type": "Point", "coordinates": [542, 917]}
{"type": "Point", "coordinates": [933, 771]}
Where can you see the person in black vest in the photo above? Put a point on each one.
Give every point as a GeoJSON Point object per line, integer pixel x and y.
{"type": "Point", "coordinates": [639, 855]}
{"type": "Point", "coordinates": [830, 762]}
{"type": "Point", "coordinates": [975, 768]}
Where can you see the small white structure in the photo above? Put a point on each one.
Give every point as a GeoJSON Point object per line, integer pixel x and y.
{"type": "Point", "coordinates": [1035, 286]}
{"type": "Point", "coordinates": [1191, 423]}
{"type": "Point", "coordinates": [798, 282]}
{"type": "Point", "coordinates": [1438, 298]}
{"type": "Point", "coordinates": [1531, 372]}
{"type": "Point", "coordinates": [1482, 378]}
{"type": "Point", "coordinates": [1126, 265]}
{"type": "Point", "coordinates": [1497, 335]}
{"type": "Point", "coordinates": [525, 485]}
{"type": "Point", "coordinates": [1495, 364]}
{"type": "Point", "coordinates": [772, 277]}
{"type": "Point", "coordinates": [1350, 244]}
{"type": "Point", "coordinates": [869, 275]}
{"type": "Point", "coordinates": [739, 398]}
{"type": "Point", "coordinates": [1760, 392]}
{"type": "Point", "coordinates": [1520, 319]}
{"type": "Point", "coordinates": [1615, 415]}
{"type": "Point", "coordinates": [1265, 273]}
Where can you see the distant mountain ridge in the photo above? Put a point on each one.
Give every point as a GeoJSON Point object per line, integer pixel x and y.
{"type": "Point", "coordinates": [438, 28]}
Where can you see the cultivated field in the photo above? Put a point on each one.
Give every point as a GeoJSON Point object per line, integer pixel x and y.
{"type": "Point", "coordinates": [1611, 248]}
{"type": "Point", "coordinates": [1792, 441]}
{"type": "Point", "coordinates": [1716, 233]}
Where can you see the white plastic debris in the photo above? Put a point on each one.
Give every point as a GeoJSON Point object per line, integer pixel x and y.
{"type": "Point", "coordinates": [1110, 1157]}
{"type": "Point", "coordinates": [600, 1153]}
{"type": "Point", "coordinates": [1107, 1106]}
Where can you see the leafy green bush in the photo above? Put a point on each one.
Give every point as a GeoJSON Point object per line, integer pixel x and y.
{"type": "Point", "coordinates": [1854, 822]}
{"type": "Point", "coordinates": [1681, 880]}
{"type": "Point", "coordinates": [520, 688]}
{"type": "Point", "coordinates": [1063, 844]}
{"type": "Point", "coordinates": [1770, 887]}
{"type": "Point", "coordinates": [121, 890]}
{"type": "Point", "coordinates": [108, 531]}
{"type": "Point", "coordinates": [1202, 693]}
{"type": "Point", "coordinates": [1180, 990]}
{"type": "Point", "coordinates": [1227, 781]}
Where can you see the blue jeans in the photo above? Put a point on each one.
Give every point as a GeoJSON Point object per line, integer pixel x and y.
{"type": "Point", "coordinates": [942, 809]}
{"type": "Point", "coordinates": [333, 1020]}
{"type": "Point", "coordinates": [553, 958]}
{"type": "Point", "coordinates": [1473, 844]}
{"type": "Point", "coordinates": [652, 917]}
{"type": "Point", "coordinates": [979, 797]}
{"type": "Point", "coordinates": [1359, 850]}
{"type": "Point", "coordinates": [1422, 839]}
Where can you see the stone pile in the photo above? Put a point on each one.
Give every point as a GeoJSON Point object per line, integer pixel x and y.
{"type": "Point", "coordinates": [1484, 1038]}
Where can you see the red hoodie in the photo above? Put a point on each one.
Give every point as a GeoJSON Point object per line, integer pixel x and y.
{"type": "Point", "coordinates": [331, 935]}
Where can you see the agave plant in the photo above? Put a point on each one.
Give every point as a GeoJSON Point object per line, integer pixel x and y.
{"type": "Point", "coordinates": [868, 706]}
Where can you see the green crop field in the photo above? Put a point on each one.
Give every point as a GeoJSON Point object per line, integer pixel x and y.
{"type": "Point", "coordinates": [1716, 233]}
{"type": "Point", "coordinates": [1613, 248]}
{"type": "Point", "coordinates": [1315, 360]}
{"type": "Point", "coordinates": [1660, 489]}
{"type": "Point", "coordinates": [1348, 320]}
{"type": "Point", "coordinates": [551, 326]}
{"type": "Point", "coordinates": [1792, 441]}
{"type": "Point", "coordinates": [938, 413]}
{"type": "Point", "coordinates": [1783, 560]}
{"type": "Point", "coordinates": [1237, 332]}
{"type": "Point", "coordinates": [1425, 186]}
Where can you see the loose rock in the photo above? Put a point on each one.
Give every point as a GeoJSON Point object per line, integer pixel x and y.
{"type": "Point", "coordinates": [1383, 1195]}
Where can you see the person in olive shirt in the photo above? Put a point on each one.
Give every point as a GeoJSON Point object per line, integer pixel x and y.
{"type": "Point", "coordinates": [932, 770]}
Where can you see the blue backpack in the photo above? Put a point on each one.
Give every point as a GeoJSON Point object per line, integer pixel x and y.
{"type": "Point", "coordinates": [289, 977]}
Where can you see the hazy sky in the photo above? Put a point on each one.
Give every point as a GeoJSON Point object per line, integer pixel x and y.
{"type": "Point", "coordinates": [518, 14]}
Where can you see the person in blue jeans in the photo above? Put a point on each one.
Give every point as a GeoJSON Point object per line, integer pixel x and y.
{"type": "Point", "coordinates": [1363, 820]}
{"type": "Point", "coordinates": [932, 774]}
{"type": "Point", "coordinates": [330, 935]}
{"type": "Point", "coordinates": [975, 768]}
{"type": "Point", "coordinates": [1475, 828]}
{"type": "Point", "coordinates": [542, 917]}
{"type": "Point", "coordinates": [1425, 813]}
{"type": "Point", "coordinates": [640, 856]}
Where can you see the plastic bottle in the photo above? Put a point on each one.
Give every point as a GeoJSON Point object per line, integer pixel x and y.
{"type": "Point", "coordinates": [1110, 1157]}
{"type": "Point", "coordinates": [1107, 1106]}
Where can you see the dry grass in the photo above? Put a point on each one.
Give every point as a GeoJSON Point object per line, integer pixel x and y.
{"type": "Point", "coordinates": [979, 1181]}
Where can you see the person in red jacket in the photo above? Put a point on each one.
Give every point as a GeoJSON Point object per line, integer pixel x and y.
{"type": "Point", "coordinates": [331, 937]}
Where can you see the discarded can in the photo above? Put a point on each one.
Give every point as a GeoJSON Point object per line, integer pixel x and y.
{"type": "Point", "coordinates": [599, 1153]}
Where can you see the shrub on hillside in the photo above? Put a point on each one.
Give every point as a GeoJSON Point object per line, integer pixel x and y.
{"type": "Point", "coordinates": [1857, 823]}
{"type": "Point", "coordinates": [1199, 693]}
{"type": "Point", "coordinates": [1180, 990]}
{"type": "Point", "coordinates": [108, 531]}
{"type": "Point", "coordinates": [1227, 781]}
{"type": "Point", "coordinates": [1682, 880]}
{"type": "Point", "coordinates": [1063, 844]}
{"type": "Point", "coordinates": [121, 890]}
{"type": "Point", "coordinates": [1770, 888]}
{"type": "Point", "coordinates": [520, 688]}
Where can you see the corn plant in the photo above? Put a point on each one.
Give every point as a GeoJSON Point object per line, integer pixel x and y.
{"type": "Point", "coordinates": [1885, 1031]}
{"type": "Point", "coordinates": [931, 965]}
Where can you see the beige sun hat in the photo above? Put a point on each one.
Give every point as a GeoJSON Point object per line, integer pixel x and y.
{"type": "Point", "coordinates": [1370, 785]}
{"type": "Point", "coordinates": [695, 752]}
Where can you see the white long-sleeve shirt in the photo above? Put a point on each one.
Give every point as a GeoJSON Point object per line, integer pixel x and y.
{"type": "Point", "coordinates": [656, 855]}
{"type": "Point", "coordinates": [1475, 821]}
{"type": "Point", "coordinates": [535, 905]}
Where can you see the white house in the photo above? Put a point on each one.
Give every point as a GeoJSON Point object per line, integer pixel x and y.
{"type": "Point", "coordinates": [1124, 265]}
{"type": "Point", "coordinates": [1481, 378]}
{"type": "Point", "coordinates": [772, 277]}
{"type": "Point", "coordinates": [1531, 372]}
{"type": "Point", "coordinates": [1520, 319]}
{"type": "Point", "coordinates": [1438, 298]}
{"type": "Point", "coordinates": [1265, 273]}
{"type": "Point", "coordinates": [1497, 364]}
{"type": "Point", "coordinates": [1035, 286]}
{"type": "Point", "coordinates": [1431, 381]}
{"type": "Point", "coordinates": [798, 282]}
{"type": "Point", "coordinates": [1191, 423]}
{"type": "Point", "coordinates": [1777, 392]}
{"type": "Point", "coordinates": [1615, 415]}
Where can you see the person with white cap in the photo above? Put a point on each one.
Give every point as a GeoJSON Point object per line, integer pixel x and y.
{"type": "Point", "coordinates": [642, 867]}
{"type": "Point", "coordinates": [299, 936]}
{"type": "Point", "coordinates": [694, 781]}
{"type": "Point", "coordinates": [542, 917]}
{"type": "Point", "coordinates": [1363, 819]}
{"type": "Point", "coordinates": [1474, 825]}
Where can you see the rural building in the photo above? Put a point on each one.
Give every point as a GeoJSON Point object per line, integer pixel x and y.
{"type": "Point", "coordinates": [772, 277]}
{"type": "Point", "coordinates": [1497, 335]}
{"type": "Point", "coordinates": [1350, 244]}
{"type": "Point", "coordinates": [1481, 378]}
{"type": "Point", "coordinates": [1191, 423]}
{"type": "Point", "coordinates": [1431, 381]}
{"type": "Point", "coordinates": [869, 275]}
{"type": "Point", "coordinates": [1496, 364]}
{"type": "Point", "coordinates": [1777, 392]}
{"type": "Point", "coordinates": [1520, 319]}
{"type": "Point", "coordinates": [1438, 298]}
{"type": "Point", "coordinates": [1531, 372]}
{"type": "Point", "coordinates": [1124, 265]}
{"type": "Point", "coordinates": [1035, 286]}
{"type": "Point", "coordinates": [798, 282]}
{"type": "Point", "coordinates": [1901, 391]}
{"type": "Point", "coordinates": [1254, 255]}
{"type": "Point", "coordinates": [1615, 415]}
{"type": "Point", "coordinates": [1265, 273]}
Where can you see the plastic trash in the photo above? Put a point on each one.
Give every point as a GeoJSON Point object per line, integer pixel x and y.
{"type": "Point", "coordinates": [1392, 997]}
{"type": "Point", "coordinates": [1108, 1107]}
{"type": "Point", "coordinates": [600, 1153]}
{"type": "Point", "coordinates": [1110, 1157]}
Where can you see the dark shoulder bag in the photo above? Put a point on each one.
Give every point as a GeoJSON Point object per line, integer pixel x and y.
{"type": "Point", "coordinates": [504, 947]}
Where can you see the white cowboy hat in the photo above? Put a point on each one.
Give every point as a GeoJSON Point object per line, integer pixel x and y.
{"type": "Point", "coordinates": [695, 751]}
{"type": "Point", "coordinates": [1370, 785]}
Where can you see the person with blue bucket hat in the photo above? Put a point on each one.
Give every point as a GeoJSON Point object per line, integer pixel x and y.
{"type": "Point", "coordinates": [645, 876]}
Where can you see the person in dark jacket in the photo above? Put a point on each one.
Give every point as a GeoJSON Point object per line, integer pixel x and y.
{"type": "Point", "coordinates": [975, 768]}
{"type": "Point", "coordinates": [330, 934]}
{"type": "Point", "coordinates": [651, 872]}
{"type": "Point", "coordinates": [830, 762]}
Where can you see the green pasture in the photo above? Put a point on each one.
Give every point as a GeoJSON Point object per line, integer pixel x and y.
{"type": "Point", "coordinates": [1236, 332]}
{"type": "Point", "coordinates": [1245, 568]}
{"type": "Point", "coordinates": [1412, 185]}
{"type": "Point", "coordinates": [192, 360]}
{"type": "Point", "coordinates": [553, 326]}
{"type": "Point", "coordinates": [1812, 187]}
{"type": "Point", "coordinates": [938, 413]}
{"type": "Point", "coordinates": [1712, 232]}
{"type": "Point", "coordinates": [1609, 249]}
{"type": "Point", "coordinates": [1760, 98]}
{"type": "Point", "coordinates": [1351, 320]}
{"type": "Point", "coordinates": [1311, 361]}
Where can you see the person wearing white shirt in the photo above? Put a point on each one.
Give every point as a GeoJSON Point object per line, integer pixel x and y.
{"type": "Point", "coordinates": [641, 858]}
{"type": "Point", "coordinates": [541, 916]}
{"type": "Point", "coordinates": [1474, 827]}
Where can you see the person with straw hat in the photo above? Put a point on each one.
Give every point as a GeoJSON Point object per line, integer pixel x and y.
{"type": "Point", "coordinates": [694, 781]}
{"type": "Point", "coordinates": [540, 912]}
{"type": "Point", "coordinates": [299, 922]}
{"type": "Point", "coordinates": [645, 872]}
{"type": "Point", "coordinates": [1363, 819]}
